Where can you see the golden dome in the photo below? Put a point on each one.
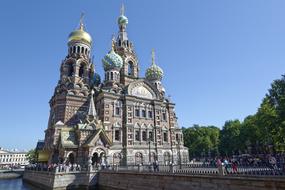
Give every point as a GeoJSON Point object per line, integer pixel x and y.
{"type": "Point", "coordinates": [80, 35]}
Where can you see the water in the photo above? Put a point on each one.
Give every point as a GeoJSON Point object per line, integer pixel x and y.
{"type": "Point", "coordinates": [14, 184]}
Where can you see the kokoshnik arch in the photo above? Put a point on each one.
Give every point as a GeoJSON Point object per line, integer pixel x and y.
{"type": "Point", "coordinates": [125, 119]}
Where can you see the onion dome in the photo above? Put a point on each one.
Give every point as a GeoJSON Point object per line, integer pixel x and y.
{"type": "Point", "coordinates": [112, 60]}
{"type": "Point", "coordinates": [96, 79]}
{"type": "Point", "coordinates": [122, 20]}
{"type": "Point", "coordinates": [80, 34]}
{"type": "Point", "coordinates": [154, 72]}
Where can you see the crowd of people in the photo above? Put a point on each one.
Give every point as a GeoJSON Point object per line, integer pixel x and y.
{"type": "Point", "coordinates": [274, 162]}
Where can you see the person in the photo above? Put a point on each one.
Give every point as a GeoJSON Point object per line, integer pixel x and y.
{"type": "Point", "coordinates": [272, 162]}
{"type": "Point", "coordinates": [226, 164]}
{"type": "Point", "coordinates": [234, 166]}
{"type": "Point", "coordinates": [157, 166]}
{"type": "Point", "coordinates": [220, 166]}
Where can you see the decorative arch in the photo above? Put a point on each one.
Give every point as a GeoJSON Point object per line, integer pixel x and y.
{"type": "Point", "coordinates": [141, 88]}
{"type": "Point", "coordinates": [117, 158]}
{"type": "Point", "coordinates": [166, 157]}
{"type": "Point", "coordinates": [138, 158]}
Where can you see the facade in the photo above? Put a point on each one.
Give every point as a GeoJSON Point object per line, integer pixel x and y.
{"type": "Point", "coordinates": [125, 119]}
{"type": "Point", "coordinates": [12, 158]}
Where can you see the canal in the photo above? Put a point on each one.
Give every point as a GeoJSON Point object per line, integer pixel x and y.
{"type": "Point", "coordinates": [14, 184]}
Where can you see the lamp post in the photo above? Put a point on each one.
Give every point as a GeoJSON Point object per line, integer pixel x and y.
{"type": "Point", "coordinates": [149, 156]}
{"type": "Point", "coordinates": [179, 154]}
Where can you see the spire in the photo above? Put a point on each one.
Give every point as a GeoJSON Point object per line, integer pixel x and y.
{"type": "Point", "coordinates": [152, 57]}
{"type": "Point", "coordinates": [113, 42]}
{"type": "Point", "coordinates": [92, 110]}
{"type": "Point", "coordinates": [122, 11]}
{"type": "Point", "coordinates": [81, 24]}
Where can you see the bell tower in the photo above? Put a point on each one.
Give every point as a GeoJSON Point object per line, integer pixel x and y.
{"type": "Point", "coordinates": [69, 102]}
{"type": "Point", "coordinates": [125, 48]}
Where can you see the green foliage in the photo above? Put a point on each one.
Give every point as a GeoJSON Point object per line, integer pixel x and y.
{"type": "Point", "coordinates": [32, 156]}
{"type": "Point", "coordinates": [255, 133]}
{"type": "Point", "coordinates": [201, 140]}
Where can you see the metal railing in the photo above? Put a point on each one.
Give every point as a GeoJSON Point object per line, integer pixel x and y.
{"type": "Point", "coordinates": [204, 169]}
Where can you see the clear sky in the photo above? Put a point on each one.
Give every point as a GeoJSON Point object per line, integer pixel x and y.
{"type": "Point", "coordinates": [219, 57]}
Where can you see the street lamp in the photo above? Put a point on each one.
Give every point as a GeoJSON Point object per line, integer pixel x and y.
{"type": "Point", "coordinates": [149, 156]}
{"type": "Point", "coordinates": [179, 154]}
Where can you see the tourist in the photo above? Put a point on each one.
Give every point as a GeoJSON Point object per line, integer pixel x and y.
{"type": "Point", "coordinates": [226, 165]}
{"type": "Point", "coordinates": [234, 166]}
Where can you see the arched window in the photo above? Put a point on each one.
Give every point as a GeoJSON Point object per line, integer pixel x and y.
{"type": "Point", "coordinates": [130, 68]}
{"type": "Point", "coordinates": [78, 49]}
{"type": "Point", "coordinates": [70, 70]}
{"type": "Point", "coordinates": [81, 70]}
{"type": "Point", "coordinates": [74, 48]}
{"type": "Point", "coordinates": [86, 51]}
{"type": "Point", "coordinates": [108, 76]}
{"type": "Point", "coordinates": [71, 158]}
{"type": "Point", "coordinates": [166, 156]}
{"type": "Point", "coordinates": [82, 49]}
{"type": "Point", "coordinates": [112, 76]}
{"type": "Point", "coordinates": [138, 158]}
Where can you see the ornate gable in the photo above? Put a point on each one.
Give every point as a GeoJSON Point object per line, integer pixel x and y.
{"type": "Point", "coordinates": [142, 89]}
{"type": "Point", "coordinates": [98, 138]}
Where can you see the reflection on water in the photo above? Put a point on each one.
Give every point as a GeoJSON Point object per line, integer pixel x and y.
{"type": "Point", "coordinates": [13, 184]}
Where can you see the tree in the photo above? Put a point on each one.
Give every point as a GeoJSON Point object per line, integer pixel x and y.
{"type": "Point", "coordinates": [201, 140]}
{"type": "Point", "coordinates": [229, 137]}
{"type": "Point", "coordinates": [31, 156]}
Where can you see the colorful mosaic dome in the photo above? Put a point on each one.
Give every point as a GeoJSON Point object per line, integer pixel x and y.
{"type": "Point", "coordinates": [96, 79]}
{"type": "Point", "coordinates": [123, 20]}
{"type": "Point", "coordinates": [154, 72]}
{"type": "Point", "coordinates": [112, 61]}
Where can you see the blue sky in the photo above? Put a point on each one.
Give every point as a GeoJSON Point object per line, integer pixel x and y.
{"type": "Point", "coordinates": [219, 57]}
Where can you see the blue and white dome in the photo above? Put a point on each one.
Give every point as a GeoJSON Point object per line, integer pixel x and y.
{"type": "Point", "coordinates": [112, 61]}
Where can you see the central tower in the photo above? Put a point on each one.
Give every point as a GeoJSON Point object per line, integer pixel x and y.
{"type": "Point", "coordinates": [124, 47]}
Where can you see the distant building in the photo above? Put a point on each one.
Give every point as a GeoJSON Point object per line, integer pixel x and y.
{"type": "Point", "coordinates": [125, 119]}
{"type": "Point", "coordinates": [12, 158]}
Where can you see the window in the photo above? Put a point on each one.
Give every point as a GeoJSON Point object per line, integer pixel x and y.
{"type": "Point", "coordinates": [150, 114]}
{"type": "Point", "coordinates": [130, 68]}
{"type": "Point", "coordinates": [150, 135]}
{"type": "Point", "coordinates": [117, 135]}
{"type": "Point", "coordinates": [70, 70]}
{"type": "Point", "coordinates": [78, 49]}
{"type": "Point", "coordinates": [164, 116]}
{"type": "Point", "coordinates": [143, 113]}
{"type": "Point", "coordinates": [165, 137]}
{"type": "Point", "coordinates": [137, 112]}
{"type": "Point", "coordinates": [117, 111]}
{"type": "Point", "coordinates": [112, 76]}
{"type": "Point", "coordinates": [177, 137]}
{"type": "Point", "coordinates": [137, 136]}
{"type": "Point", "coordinates": [144, 135]}
{"type": "Point", "coordinates": [81, 70]}
{"type": "Point", "coordinates": [107, 76]}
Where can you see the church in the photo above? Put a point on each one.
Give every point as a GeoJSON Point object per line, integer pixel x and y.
{"type": "Point", "coordinates": [124, 119]}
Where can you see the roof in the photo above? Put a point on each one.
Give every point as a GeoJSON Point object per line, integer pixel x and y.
{"type": "Point", "coordinates": [40, 145]}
